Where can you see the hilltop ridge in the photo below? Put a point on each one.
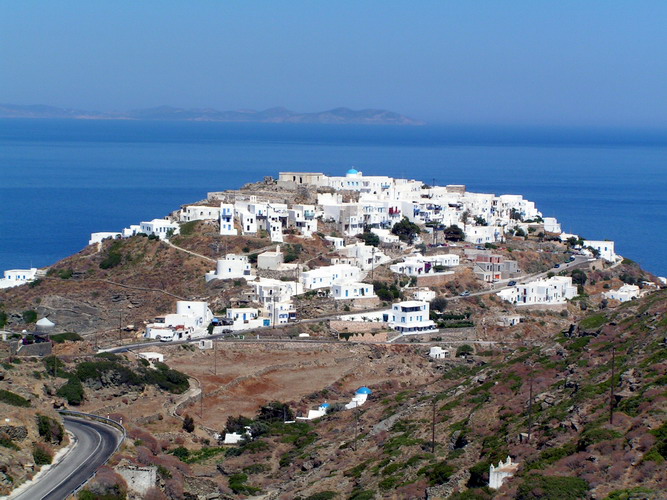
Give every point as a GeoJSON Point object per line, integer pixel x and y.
{"type": "Point", "coordinates": [340, 115]}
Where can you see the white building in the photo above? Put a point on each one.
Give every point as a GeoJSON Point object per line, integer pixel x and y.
{"type": "Point", "coordinates": [411, 316]}
{"type": "Point", "coordinates": [302, 217]}
{"type": "Point", "coordinates": [623, 294]}
{"type": "Point", "coordinates": [438, 352]}
{"type": "Point", "coordinates": [352, 290]}
{"type": "Point", "coordinates": [101, 236]}
{"type": "Point", "coordinates": [269, 291]}
{"type": "Point", "coordinates": [424, 294]}
{"type": "Point", "coordinates": [246, 318]}
{"type": "Point", "coordinates": [190, 320]}
{"type": "Point", "coordinates": [159, 227]}
{"type": "Point", "coordinates": [479, 235]}
{"type": "Point", "coordinates": [605, 248]}
{"type": "Point", "coordinates": [365, 257]}
{"type": "Point", "coordinates": [360, 397]}
{"type": "Point", "coordinates": [227, 220]}
{"type": "Point", "coordinates": [324, 277]}
{"type": "Point", "coordinates": [152, 357]}
{"type": "Point", "coordinates": [546, 291]}
{"type": "Point", "coordinates": [271, 259]}
{"type": "Point", "coordinates": [313, 414]}
{"type": "Point", "coordinates": [418, 265]}
{"type": "Point", "coordinates": [198, 212]}
{"type": "Point", "coordinates": [497, 475]}
{"type": "Point", "coordinates": [16, 277]}
{"type": "Point", "coordinates": [231, 267]}
{"type": "Point", "coordinates": [551, 225]}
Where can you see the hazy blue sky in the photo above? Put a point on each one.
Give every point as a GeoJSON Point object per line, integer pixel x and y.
{"type": "Point", "coordinates": [494, 62]}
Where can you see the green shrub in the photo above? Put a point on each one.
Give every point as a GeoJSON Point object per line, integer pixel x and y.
{"type": "Point", "coordinates": [438, 473]}
{"type": "Point", "coordinates": [59, 338]}
{"type": "Point", "coordinates": [595, 435]}
{"type": "Point", "coordinates": [29, 316]}
{"type": "Point", "coordinates": [362, 495]}
{"type": "Point", "coordinates": [41, 455]}
{"type": "Point", "coordinates": [50, 429]}
{"type": "Point", "coordinates": [188, 228]}
{"type": "Point", "coordinates": [593, 322]}
{"type": "Point", "coordinates": [237, 485]}
{"type": "Point", "coordinates": [6, 442]}
{"type": "Point", "coordinates": [182, 453]}
{"type": "Point", "coordinates": [536, 487]}
{"type": "Point", "coordinates": [72, 391]}
{"type": "Point", "coordinates": [323, 495]}
{"type": "Point", "coordinates": [113, 257]}
{"type": "Point", "coordinates": [13, 399]}
{"type": "Point", "coordinates": [3, 319]}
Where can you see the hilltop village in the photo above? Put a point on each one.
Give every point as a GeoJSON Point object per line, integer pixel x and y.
{"type": "Point", "coordinates": [343, 336]}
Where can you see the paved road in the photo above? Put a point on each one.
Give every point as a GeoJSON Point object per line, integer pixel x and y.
{"type": "Point", "coordinates": [95, 443]}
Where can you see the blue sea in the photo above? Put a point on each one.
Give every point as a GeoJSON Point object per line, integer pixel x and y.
{"type": "Point", "coordinates": [63, 179]}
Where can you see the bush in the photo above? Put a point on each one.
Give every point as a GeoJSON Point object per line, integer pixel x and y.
{"type": "Point", "coordinates": [369, 238]}
{"type": "Point", "coordinates": [406, 230]}
{"type": "Point", "coordinates": [438, 473]}
{"type": "Point", "coordinates": [50, 429]}
{"type": "Point", "coordinates": [13, 399]}
{"type": "Point", "coordinates": [59, 338]}
{"type": "Point", "coordinates": [537, 487]}
{"type": "Point", "coordinates": [188, 423]}
{"type": "Point", "coordinates": [182, 453]}
{"type": "Point", "coordinates": [464, 350]}
{"type": "Point", "coordinates": [29, 316]}
{"type": "Point", "coordinates": [72, 391]}
{"type": "Point", "coordinates": [3, 319]}
{"type": "Point", "coordinates": [41, 454]}
{"type": "Point", "coordinates": [237, 485]}
{"type": "Point", "coordinates": [323, 495]}
{"type": "Point", "coordinates": [113, 257]}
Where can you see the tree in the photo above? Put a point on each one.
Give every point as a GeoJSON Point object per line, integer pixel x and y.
{"type": "Point", "coordinates": [578, 277]}
{"type": "Point", "coordinates": [454, 233]}
{"type": "Point", "coordinates": [370, 238]}
{"type": "Point", "coordinates": [464, 350]}
{"type": "Point", "coordinates": [439, 304]}
{"type": "Point", "coordinates": [275, 412]}
{"type": "Point", "coordinates": [406, 230]}
{"type": "Point", "coordinates": [519, 232]}
{"type": "Point", "coordinates": [188, 423]}
{"type": "Point", "coordinates": [480, 221]}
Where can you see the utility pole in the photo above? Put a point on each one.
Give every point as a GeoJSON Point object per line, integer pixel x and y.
{"type": "Point", "coordinates": [120, 325]}
{"type": "Point", "coordinates": [372, 262]}
{"type": "Point", "coordinates": [433, 427]}
{"type": "Point", "coordinates": [611, 386]}
{"type": "Point", "coordinates": [215, 359]}
{"type": "Point", "coordinates": [530, 407]}
{"type": "Point", "coordinates": [356, 428]}
{"type": "Point", "coordinates": [201, 404]}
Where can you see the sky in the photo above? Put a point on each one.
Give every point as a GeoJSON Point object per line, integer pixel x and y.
{"type": "Point", "coordinates": [532, 62]}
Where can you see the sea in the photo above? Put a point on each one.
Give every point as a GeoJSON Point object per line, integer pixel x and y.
{"type": "Point", "coordinates": [61, 180]}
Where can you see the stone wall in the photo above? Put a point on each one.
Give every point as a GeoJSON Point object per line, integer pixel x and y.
{"type": "Point", "coordinates": [435, 279]}
{"type": "Point", "coordinates": [138, 479]}
{"type": "Point", "coordinates": [363, 329]}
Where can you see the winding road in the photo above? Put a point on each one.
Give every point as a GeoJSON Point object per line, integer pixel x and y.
{"type": "Point", "coordinates": [95, 443]}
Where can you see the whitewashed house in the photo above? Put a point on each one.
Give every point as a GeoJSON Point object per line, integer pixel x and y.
{"type": "Point", "coordinates": [268, 291]}
{"type": "Point", "coordinates": [624, 294]}
{"type": "Point", "coordinates": [326, 276]}
{"type": "Point", "coordinates": [133, 230]}
{"type": "Point", "coordinates": [233, 266]}
{"type": "Point", "coordinates": [418, 265]}
{"type": "Point", "coordinates": [438, 352]}
{"type": "Point", "coordinates": [227, 220]}
{"type": "Point", "coordinates": [365, 257]}
{"type": "Point", "coordinates": [302, 217]}
{"type": "Point", "coordinates": [101, 236]}
{"type": "Point", "coordinates": [411, 316]}
{"type": "Point", "coordinates": [352, 290]}
{"type": "Point", "coordinates": [159, 227]}
{"type": "Point", "coordinates": [191, 213]}
{"type": "Point", "coordinates": [190, 320]}
{"type": "Point", "coordinates": [605, 248]}
{"type": "Point", "coordinates": [551, 225]}
{"type": "Point", "coordinates": [246, 318]}
{"type": "Point", "coordinates": [16, 277]}
{"type": "Point", "coordinates": [546, 291]}
{"type": "Point", "coordinates": [271, 259]}
{"type": "Point", "coordinates": [479, 235]}
{"type": "Point", "coordinates": [337, 243]}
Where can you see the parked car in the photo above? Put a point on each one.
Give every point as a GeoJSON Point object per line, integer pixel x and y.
{"type": "Point", "coordinates": [557, 266]}
{"type": "Point", "coordinates": [511, 283]}
{"type": "Point", "coordinates": [464, 293]}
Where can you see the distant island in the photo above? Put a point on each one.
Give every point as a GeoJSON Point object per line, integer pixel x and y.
{"type": "Point", "coordinates": [343, 116]}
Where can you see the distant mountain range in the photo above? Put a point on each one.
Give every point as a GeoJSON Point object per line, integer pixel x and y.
{"type": "Point", "coordinates": [168, 113]}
